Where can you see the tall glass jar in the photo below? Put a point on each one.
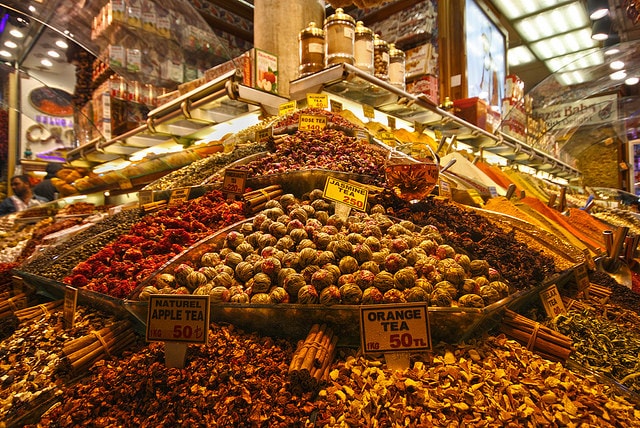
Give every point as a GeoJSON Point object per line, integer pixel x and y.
{"type": "Point", "coordinates": [380, 58]}
{"type": "Point", "coordinates": [311, 49]}
{"type": "Point", "coordinates": [396, 67]}
{"type": "Point", "coordinates": [339, 30]}
{"type": "Point", "coordinates": [363, 48]}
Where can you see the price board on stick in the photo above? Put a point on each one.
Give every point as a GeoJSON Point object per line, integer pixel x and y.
{"type": "Point", "coordinates": [552, 301]}
{"type": "Point", "coordinates": [310, 122]}
{"type": "Point", "coordinates": [350, 194]}
{"type": "Point", "coordinates": [179, 196]}
{"type": "Point", "coordinates": [317, 101]}
{"type": "Point", "coordinates": [177, 320]}
{"type": "Point", "coordinates": [286, 108]}
{"type": "Point", "coordinates": [445, 189]}
{"type": "Point", "coordinates": [368, 111]}
{"type": "Point", "coordinates": [234, 181]}
{"type": "Point", "coordinates": [263, 135]}
{"type": "Point", "coordinates": [395, 329]}
{"type": "Point", "coordinates": [69, 307]}
{"type": "Point", "coordinates": [582, 279]}
{"type": "Point", "coordinates": [336, 106]}
{"type": "Point", "coordinates": [145, 197]}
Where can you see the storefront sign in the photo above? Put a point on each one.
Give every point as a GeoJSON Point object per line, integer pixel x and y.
{"type": "Point", "coordinates": [395, 328]}
{"type": "Point", "coordinates": [591, 111]}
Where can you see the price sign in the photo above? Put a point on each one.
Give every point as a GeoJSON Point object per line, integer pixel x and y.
{"type": "Point", "coordinates": [234, 181]}
{"type": "Point", "coordinates": [145, 197]}
{"type": "Point", "coordinates": [552, 301]}
{"type": "Point", "coordinates": [391, 121]}
{"type": "Point", "coordinates": [317, 101]}
{"type": "Point", "coordinates": [286, 108]}
{"type": "Point", "coordinates": [263, 135]}
{"type": "Point", "coordinates": [582, 277]}
{"type": "Point", "coordinates": [310, 122]}
{"type": "Point", "coordinates": [178, 318]}
{"type": "Point", "coordinates": [493, 191]}
{"type": "Point", "coordinates": [445, 189]}
{"type": "Point", "coordinates": [368, 111]}
{"type": "Point", "coordinates": [362, 135]}
{"type": "Point", "coordinates": [179, 196]}
{"type": "Point", "coordinates": [476, 197]}
{"type": "Point", "coordinates": [589, 259]}
{"type": "Point", "coordinates": [70, 304]}
{"type": "Point", "coordinates": [419, 127]}
{"type": "Point", "coordinates": [395, 328]}
{"type": "Point", "coordinates": [336, 106]}
{"type": "Point", "coordinates": [388, 138]}
{"type": "Point", "coordinates": [346, 193]}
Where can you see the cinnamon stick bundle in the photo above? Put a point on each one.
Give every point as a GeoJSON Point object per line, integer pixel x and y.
{"type": "Point", "coordinates": [83, 352]}
{"type": "Point", "coordinates": [12, 304]}
{"type": "Point", "coordinates": [310, 363]}
{"type": "Point", "coordinates": [257, 199]}
{"type": "Point", "coordinates": [538, 338]}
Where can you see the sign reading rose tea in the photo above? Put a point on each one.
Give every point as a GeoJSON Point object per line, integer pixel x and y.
{"type": "Point", "coordinates": [310, 122]}
{"type": "Point", "coordinates": [395, 328]}
{"type": "Point", "coordinates": [178, 318]}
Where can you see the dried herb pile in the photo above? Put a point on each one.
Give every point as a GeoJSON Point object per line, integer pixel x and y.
{"type": "Point", "coordinates": [603, 345]}
{"type": "Point", "coordinates": [240, 380]}
{"type": "Point", "coordinates": [521, 266]}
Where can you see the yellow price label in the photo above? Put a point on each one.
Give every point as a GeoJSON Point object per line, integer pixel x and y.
{"type": "Point", "coordinates": [346, 193]}
{"type": "Point", "coordinates": [179, 196]}
{"type": "Point", "coordinates": [391, 121]}
{"type": "Point", "coordinates": [310, 122]}
{"type": "Point", "coordinates": [263, 135]}
{"type": "Point", "coordinates": [368, 111]}
{"type": "Point", "coordinates": [388, 138]}
{"type": "Point", "coordinates": [476, 197]}
{"type": "Point", "coordinates": [336, 106]}
{"type": "Point", "coordinates": [445, 189]}
{"type": "Point", "coordinates": [286, 108]}
{"type": "Point", "coordinates": [317, 100]}
{"type": "Point", "coordinates": [234, 181]}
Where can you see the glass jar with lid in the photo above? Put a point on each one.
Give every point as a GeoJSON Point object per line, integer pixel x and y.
{"type": "Point", "coordinates": [380, 58]}
{"type": "Point", "coordinates": [396, 67]}
{"type": "Point", "coordinates": [339, 30]}
{"type": "Point", "coordinates": [311, 49]}
{"type": "Point", "coordinates": [363, 48]}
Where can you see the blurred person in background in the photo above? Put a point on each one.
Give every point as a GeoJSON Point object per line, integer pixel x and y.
{"type": "Point", "coordinates": [22, 197]}
{"type": "Point", "coordinates": [46, 189]}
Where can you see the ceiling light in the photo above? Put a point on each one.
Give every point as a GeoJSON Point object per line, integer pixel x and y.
{"type": "Point", "coordinates": [61, 44]}
{"type": "Point", "coordinates": [618, 75]}
{"type": "Point", "coordinates": [53, 54]}
{"type": "Point", "coordinates": [514, 9]}
{"type": "Point", "coordinates": [5, 54]}
{"type": "Point", "coordinates": [563, 44]}
{"type": "Point", "coordinates": [16, 33]}
{"type": "Point", "coordinates": [555, 21]}
{"type": "Point", "coordinates": [597, 9]}
{"type": "Point", "coordinates": [519, 55]}
{"type": "Point", "coordinates": [568, 79]}
{"type": "Point", "coordinates": [601, 29]}
{"type": "Point", "coordinates": [10, 44]}
{"type": "Point", "coordinates": [32, 8]}
{"type": "Point", "coordinates": [611, 44]}
{"type": "Point", "coordinates": [46, 63]}
{"type": "Point", "coordinates": [632, 81]}
{"type": "Point", "coordinates": [617, 65]}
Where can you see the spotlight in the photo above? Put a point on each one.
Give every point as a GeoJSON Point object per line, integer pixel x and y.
{"type": "Point", "coordinates": [597, 9]}
{"type": "Point", "coordinates": [601, 28]}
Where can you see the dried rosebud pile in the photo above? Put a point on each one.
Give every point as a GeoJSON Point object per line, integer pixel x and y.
{"type": "Point", "coordinates": [522, 266]}
{"type": "Point", "coordinates": [304, 253]}
{"type": "Point", "coordinates": [328, 149]}
{"type": "Point", "coordinates": [237, 380]}
{"type": "Point", "coordinates": [118, 268]}
{"type": "Point", "coordinates": [492, 383]}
